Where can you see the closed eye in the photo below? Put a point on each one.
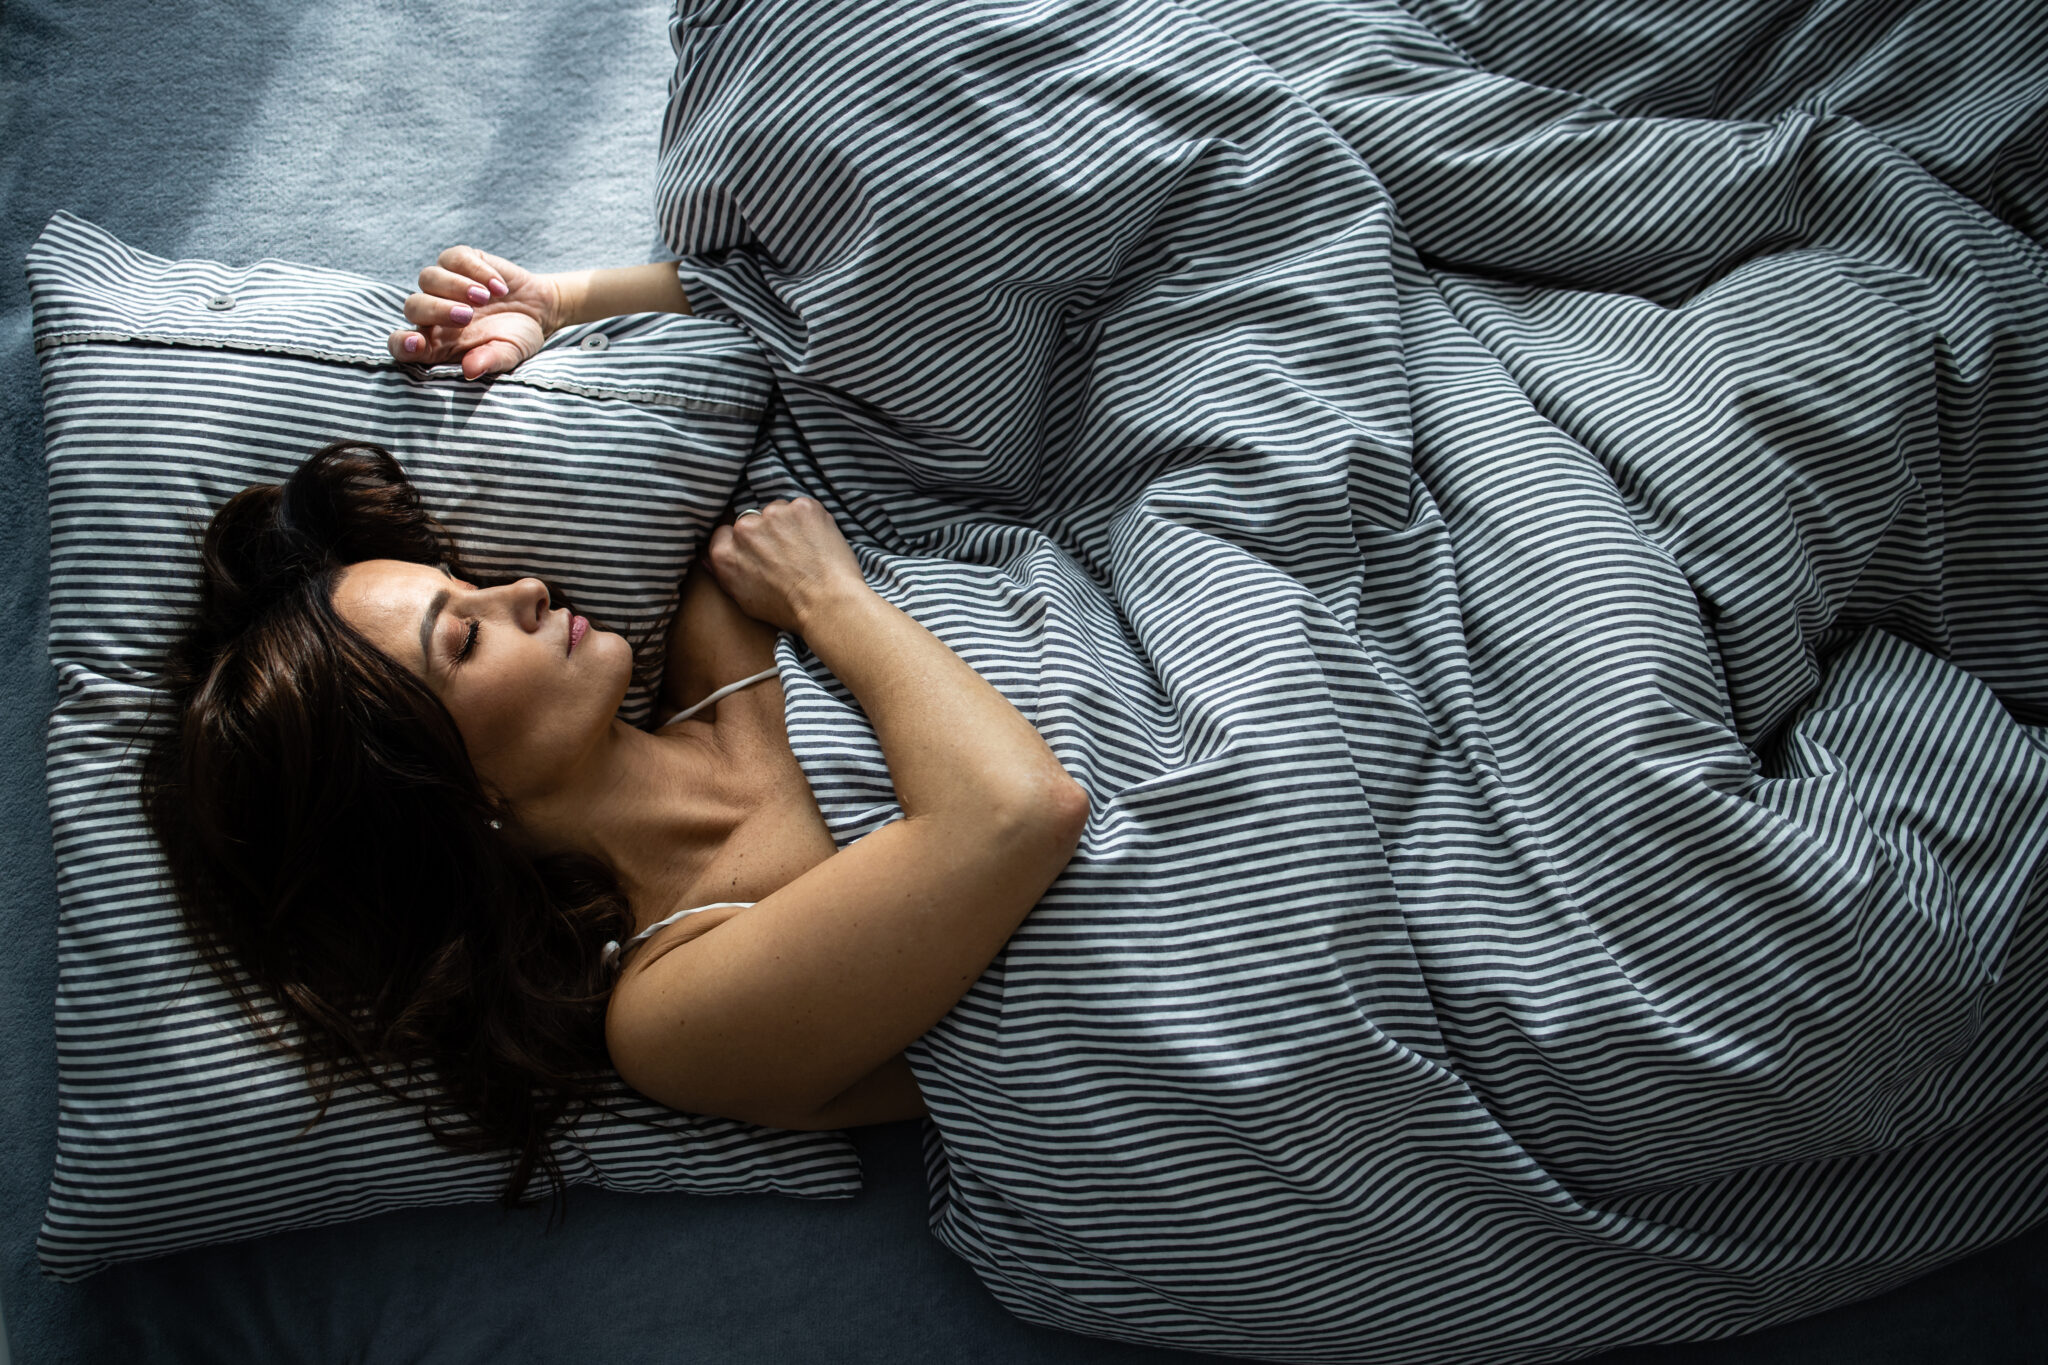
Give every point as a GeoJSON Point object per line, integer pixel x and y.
{"type": "Point", "coordinates": [468, 642]}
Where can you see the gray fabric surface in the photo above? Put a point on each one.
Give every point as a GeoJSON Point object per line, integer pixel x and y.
{"type": "Point", "coordinates": [364, 137]}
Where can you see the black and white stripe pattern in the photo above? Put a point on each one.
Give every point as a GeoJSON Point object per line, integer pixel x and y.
{"type": "Point", "coordinates": [597, 466]}
{"type": "Point", "coordinates": [1550, 607]}
{"type": "Point", "coordinates": [1957, 86]}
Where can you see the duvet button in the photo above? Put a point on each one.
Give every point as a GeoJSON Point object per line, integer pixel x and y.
{"type": "Point", "coordinates": [220, 303]}
{"type": "Point", "coordinates": [596, 341]}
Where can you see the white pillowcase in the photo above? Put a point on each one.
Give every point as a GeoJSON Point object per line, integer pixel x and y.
{"type": "Point", "coordinates": [599, 466]}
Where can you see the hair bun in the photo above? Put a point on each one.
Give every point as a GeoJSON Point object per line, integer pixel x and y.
{"type": "Point", "coordinates": [350, 502]}
{"type": "Point", "coordinates": [249, 559]}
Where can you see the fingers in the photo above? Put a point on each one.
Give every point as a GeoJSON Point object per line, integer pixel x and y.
{"type": "Point", "coordinates": [459, 293]}
{"type": "Point", "coordinates": [414, 349]}
{"type": "Point", "coordinates": [790, 533]}
{"type": "Point", "coordinates": [774, 559]}
{"type": "Point", "coordinates": [746, 537]}
{"type": "Point", "coordinates": [492, 357]}
{"type": "Point", "coordinates": [487, 357]}
{"type": "Point", "coordinates": [447, 299]}
{"type": "Point", "coordinates": [424, 310]}
{"type": "Point", "coordinates": [447, 284]}
{"type": "Point", "coordinates": [480, 268]}
{"type": "Point", "coordinates": [718, 550]}
{"type": "Point", "coordinates": [765, 519]}
{"type": "Point", "coordinates": [722, 556]}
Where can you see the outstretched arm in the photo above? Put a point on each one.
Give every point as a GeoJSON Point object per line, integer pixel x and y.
{"type": "Point", "coordinates": [489, 314]}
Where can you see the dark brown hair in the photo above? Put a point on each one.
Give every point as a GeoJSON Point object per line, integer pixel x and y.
{"type": "Point", "coordinates": [327, 833]}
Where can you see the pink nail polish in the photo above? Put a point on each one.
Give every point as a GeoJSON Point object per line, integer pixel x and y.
{"type": "Point", "coordinates": [498, 286]}
{"type": "Point", "coordinates": [411, 344]}
{"type": "Point", "coordinates": [460, 314]}
{"type": "Point", "coordinates": [479, 294]}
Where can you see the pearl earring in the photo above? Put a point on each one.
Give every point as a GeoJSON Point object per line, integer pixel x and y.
{"type": "Point", "coordinates": [497, 824]}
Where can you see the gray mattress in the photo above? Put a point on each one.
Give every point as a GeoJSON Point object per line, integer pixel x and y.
{"type": "Point", "coordinates": [365, 138]}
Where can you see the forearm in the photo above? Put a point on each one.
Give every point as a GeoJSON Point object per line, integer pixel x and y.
{"type": "Point", "coordinates": [592, 295]}
{"type": "Point", "coordinates": [888, 1094]}
{"type": "Point", "coordinates": [953, 743]}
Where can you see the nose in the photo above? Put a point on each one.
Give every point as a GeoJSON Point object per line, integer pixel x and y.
{"type": "Point", "coordinates": [529, 602]}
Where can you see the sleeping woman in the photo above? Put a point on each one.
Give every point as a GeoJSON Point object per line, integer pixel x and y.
{"type": "Point", "coordinates": [400, 798]}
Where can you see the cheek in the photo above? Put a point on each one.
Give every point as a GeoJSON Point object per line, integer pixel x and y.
{"type": "Point", "coordinates": [533, 716]}
{"type": "Point", "coordinates": [491, 724]}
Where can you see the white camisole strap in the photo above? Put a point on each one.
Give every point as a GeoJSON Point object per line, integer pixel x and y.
{"type": "Point", "coordinates": [763, 676]}
{"type": "Point", "coordinates": [615, 956]}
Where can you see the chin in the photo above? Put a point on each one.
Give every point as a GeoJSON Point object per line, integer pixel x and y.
{"type": "Point", "coordinates": [612, 655]}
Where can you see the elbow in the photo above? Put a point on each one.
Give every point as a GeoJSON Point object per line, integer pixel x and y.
{"type": "Point", "coordinates": [1069, 810]}
{"type": "Point", "coordinates": [1052, 811]}
{"type": "Point", "coordinates": [1038, 817]}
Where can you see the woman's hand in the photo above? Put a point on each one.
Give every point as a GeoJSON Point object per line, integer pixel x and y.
{"type": "Point", "coordinates": [784, 562]}
{"type": "Point", "coordinates": [479, 310]}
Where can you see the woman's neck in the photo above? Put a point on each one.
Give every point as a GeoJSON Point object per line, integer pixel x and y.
{"type": "Point", "coordinates": [655, 808]}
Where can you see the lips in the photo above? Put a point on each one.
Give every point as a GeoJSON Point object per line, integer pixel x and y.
{"type": "Point", "coordinates": [577, 627]}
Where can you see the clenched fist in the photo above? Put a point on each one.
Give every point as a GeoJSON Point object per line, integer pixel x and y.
{"type": "Point", "coordinates": [784, 561]}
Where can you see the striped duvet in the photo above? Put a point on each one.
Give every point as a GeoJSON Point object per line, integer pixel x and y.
{"type": "Point", "coordinates": [1546, 590]}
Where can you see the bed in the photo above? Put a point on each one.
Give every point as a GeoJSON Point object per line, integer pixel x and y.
{"type": "Point", "coordinates": [246, 135]}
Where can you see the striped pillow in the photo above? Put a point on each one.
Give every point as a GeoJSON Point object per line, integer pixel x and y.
{"type": "Point", "coordinates": [167, 385]}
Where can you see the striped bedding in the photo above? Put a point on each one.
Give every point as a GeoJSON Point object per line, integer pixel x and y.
{"type": "Point", "coordinates": [1546, 591]}
{"type": "Point", "coordinates": [167, 387]}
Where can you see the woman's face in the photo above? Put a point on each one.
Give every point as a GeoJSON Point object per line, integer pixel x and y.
{"type": "Point", "coordinates": [531, 687]}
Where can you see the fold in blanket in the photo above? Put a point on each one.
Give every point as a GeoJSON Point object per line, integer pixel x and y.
{"type": "Point", "coordinates": [1548, 604]}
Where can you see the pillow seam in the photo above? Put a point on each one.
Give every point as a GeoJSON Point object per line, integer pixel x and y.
{"type": "Point", "coordinates": [52, 340]}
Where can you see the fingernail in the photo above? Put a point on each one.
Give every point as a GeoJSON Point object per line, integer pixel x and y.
{"type": "Point", "coordinates": [460, 314]}
{"type": "Point", "coordinates": [498, 286]}
{"type": "Point", "coordinates": [479, 294]}
{"type": "Point", "coordinates": [412, 344]}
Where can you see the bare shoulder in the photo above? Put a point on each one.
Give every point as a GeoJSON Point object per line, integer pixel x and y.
{"type": "Point", "coordinates": [642, 1033]}
{"type": "Point", "coordinates": [632, 992]}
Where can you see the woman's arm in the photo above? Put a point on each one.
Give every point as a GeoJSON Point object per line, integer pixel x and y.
{"type": "Point", "coordinates": [591, 295]}
{"type": "Point", "coordinates": [489, 314]}
{"type": "Point", "coordinates": [888, 1094]}
{"type": "Point", "coordinates": [775, 1014]}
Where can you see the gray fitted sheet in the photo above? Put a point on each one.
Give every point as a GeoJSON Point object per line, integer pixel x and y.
{"type": "Point", "coordinates": [365, 137]}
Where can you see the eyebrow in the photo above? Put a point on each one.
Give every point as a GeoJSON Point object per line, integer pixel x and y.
{"type": "Point", "coordinates": [434, 605]}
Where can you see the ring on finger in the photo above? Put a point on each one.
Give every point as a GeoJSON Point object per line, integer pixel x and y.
{"type": "Point", "coordinates": [747, 512]}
